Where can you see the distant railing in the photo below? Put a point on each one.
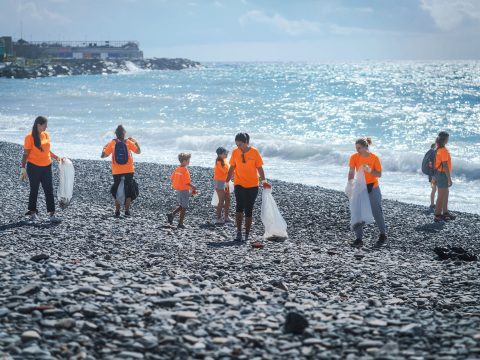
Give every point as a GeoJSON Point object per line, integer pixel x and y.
{"type": "Point", "coordinates": [86, 43]}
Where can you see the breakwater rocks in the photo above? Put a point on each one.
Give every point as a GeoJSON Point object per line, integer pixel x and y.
{"type": "Point", "coordinates": [96, 287]}
{"type": "Point", "coordinates": [93, 67]}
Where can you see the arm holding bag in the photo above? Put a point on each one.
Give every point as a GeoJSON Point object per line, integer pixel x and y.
{"type": "Point", "coordinates": [275, 225]}
{"type": "Point", "coordinates": [66, 173]}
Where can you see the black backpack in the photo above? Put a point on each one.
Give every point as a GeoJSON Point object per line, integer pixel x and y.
{"type": "Point", "coordinates": [428, 163]}
{"type": "Point", "coordinates": [121, 152]}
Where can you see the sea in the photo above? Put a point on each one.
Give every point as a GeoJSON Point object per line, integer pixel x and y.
{"type": "Point", "coordinates": [303, 117]}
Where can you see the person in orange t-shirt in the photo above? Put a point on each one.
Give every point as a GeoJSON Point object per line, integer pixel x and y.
{"type": "Point", "coordinates": [122, 166]}
{"type": "Point", "coordinates": [37, 167]}
{"type": "Point", "coordinates": [182, 184]}
{"type": "Point", "coordinates": [220, 172]}
{"type": "Point", "coordinates": [246, 165]}
{"type": "Point", "coordinates": [443, 178]}
{"type": "Point", "coordinates": [372, 168]}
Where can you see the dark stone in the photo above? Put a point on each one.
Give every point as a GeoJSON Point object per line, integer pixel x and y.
{"type": "Point", "coordinates": [295, 323]}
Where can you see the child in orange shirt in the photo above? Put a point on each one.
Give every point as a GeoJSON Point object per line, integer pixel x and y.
{"type": "Point", "coordinates": [220, 173]}
{"type": "Point", "coordinates": [181, 183]}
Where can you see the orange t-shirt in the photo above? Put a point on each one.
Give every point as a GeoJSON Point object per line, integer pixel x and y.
{"type": "Point", "coordinates": [118, 169]}
{"type": "Point", "coordinates": [180, 178]}
{"type": "Point", "coordinates": [246, 174]}
{"type": "Point", "coordinates": [443, 156]}
{"type": "Point", "coordinates": [372, 160]}
{"type": "Point", "coordinates": [35, 156]}
{"type": "Point", "coordinates": [220, 172]}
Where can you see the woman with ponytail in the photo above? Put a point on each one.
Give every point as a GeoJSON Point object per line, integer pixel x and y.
{"type": "Point", "coordinates": [37, 168]}
{"type": "Point", "coordinates": [372, 168]}
{"type": "Point", "coordinates": [220, 172]}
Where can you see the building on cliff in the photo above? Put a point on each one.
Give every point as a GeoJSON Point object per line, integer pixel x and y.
{"type": "Point", "coordinates": [76, 49]}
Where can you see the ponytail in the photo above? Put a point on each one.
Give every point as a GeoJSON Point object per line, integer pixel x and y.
{"type": "Point", "coordinates": [40, 120]}
{"type": "Point", "coordinates": [222, 161]}
{"type": "Point", "coordinates": [365, 142]}
{"type": "Point", "coordinates": [243, 137]}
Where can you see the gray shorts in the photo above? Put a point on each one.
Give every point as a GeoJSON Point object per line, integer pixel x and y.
{"type": "Point", "coordinates": [441, 179]}
{"type": "Point", "coordinates": [219, 184]}
{"type": "Point", "coordinates": [183, 197]}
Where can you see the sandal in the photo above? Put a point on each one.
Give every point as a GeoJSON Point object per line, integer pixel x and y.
{"type": "Point", "coordinates": [257, 245]}
{"type": "Point", "coordinates": [438, 218]}
{"type": "Point", "coordinates": [449, 216]}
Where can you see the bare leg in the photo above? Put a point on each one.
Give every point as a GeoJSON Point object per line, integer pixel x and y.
{"type": "Point", "coordinates": [177, 210]}
{"type": "Point", "coordinates": [432, 195]}
{"type": "Point", "coordinates": [445, 201]}
{"type": "Point", "coordinates": [248, 224]}
{"type": "Point", "coordinates": [440, 200]}
{"type": "Point", "coordinates": [182, 215]}
{"type": "Point", "coordinates": [117, 206]}
{"type": "Point", "coordinates": [239, 221]}
{"type": "Point", "coordinates": [128, 201]}
{"type": "Point", "coordinates": [226, 209]}
{"type": "Point", "coordinates": [221, 200]}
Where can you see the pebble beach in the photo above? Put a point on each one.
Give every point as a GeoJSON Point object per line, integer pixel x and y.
{"type": "Point", "coordinates": [97, 287]}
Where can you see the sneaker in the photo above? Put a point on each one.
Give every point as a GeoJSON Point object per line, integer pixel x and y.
{"type": "Point", "coordinates": [358, 243]}
{"type": "Point", "coordinates": [55, 220]}
{"type": "Point", "coordinates": [170, 218]}
{"type": "Point", "coordinates": [117, 214]}
{"type": "Point", "coordinates": [219, 222]}
{"type": "Point", "coordinates": [239, 236]}
{"type": "Point", "coordinates": [127, 213]}
{"type": "Point", "coordinates": [32, 217]}
{"type": "Point", "coordinates": [381, 241]}
{"type": "Point", "coordinates": [181, 226]}
{"type": "Point", "coordinates": [228, 221]}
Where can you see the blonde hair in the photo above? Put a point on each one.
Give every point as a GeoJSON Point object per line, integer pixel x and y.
{"type": "Point", "coordinates": [184, 156]}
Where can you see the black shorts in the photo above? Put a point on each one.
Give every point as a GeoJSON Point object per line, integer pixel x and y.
{"type": "Point", "coordinates": [245, 198]}
{"type": "Point", "coordinates": [128, 182]}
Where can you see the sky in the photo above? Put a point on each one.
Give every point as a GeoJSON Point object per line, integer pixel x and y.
{"type": "Point", "coordinates": [259, 30]}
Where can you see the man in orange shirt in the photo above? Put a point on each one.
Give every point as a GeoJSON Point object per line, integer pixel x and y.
{"type": "Point", "coordinates": [246, 164]}
{"type": "Point", "coordinates": [443, 178]}
{"type": "Point", "coordinates": [37, 168]}
{"type": "Point", "coordinates": [182, 184]}
{"type": "Point", "coordinates": [122, 166]}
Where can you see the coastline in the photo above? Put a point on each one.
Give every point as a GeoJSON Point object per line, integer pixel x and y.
{"type": "Point", "coordinates": [137, 288]}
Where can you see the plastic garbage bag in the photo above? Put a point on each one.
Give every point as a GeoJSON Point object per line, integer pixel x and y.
{"type": "Point", "coordinates": [215, 198]}
{"type": "Point", "coordinates": [120, 196]}
{"type": "Point", "coordinates": [360, 208]}
{"type": "Point", "coordinates": [231, 187]}
{"type": "Point", "coordinates": [66, 173]}
{"type": "Point", "coordinates": [275, 225]}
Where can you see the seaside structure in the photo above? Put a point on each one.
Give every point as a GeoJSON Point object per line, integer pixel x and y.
{"type": "Point", "coordinates": [75, 49]}
{"type": "Point", "coordinates": [6, 48]}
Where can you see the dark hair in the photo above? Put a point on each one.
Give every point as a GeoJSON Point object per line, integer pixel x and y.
{"type": "Point", "coordinates": [442, 139]}
{"type": "Point", "coordinates": [40, 120]}
{"type": "Point", "coordinates": [364, 142]}
{"type": "Point", "coordinates": [243, 137]}
{"type": "Point", "coordinates": [221, 160]}
{"type": "Point", "coordinates": [120, 132]}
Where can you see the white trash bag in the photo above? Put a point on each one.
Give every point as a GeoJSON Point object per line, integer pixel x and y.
{"type": "Point", "coordinates": [215, 198]}
{"type": "Point", "coordinates": [120, 196]}
{"type": "Point", "coordinates": [231, 187]}
{"type": "Point", "coordinates": [360, 208]}
{"type": "Point", "coordinates": [66, 173]}
{"type": "Point", "coordinates": [275, 225]}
